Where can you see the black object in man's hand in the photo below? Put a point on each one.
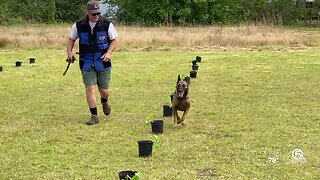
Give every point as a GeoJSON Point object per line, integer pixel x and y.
{"type": "Point", "coordinates": [69, 60]}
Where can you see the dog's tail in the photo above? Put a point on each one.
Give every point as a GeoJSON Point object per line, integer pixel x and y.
{"type": "Point", "coordinates": [171, 98]}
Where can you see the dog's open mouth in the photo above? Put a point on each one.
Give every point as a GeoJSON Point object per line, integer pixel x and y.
{"type": "Point", "coordinates": [180, 94]}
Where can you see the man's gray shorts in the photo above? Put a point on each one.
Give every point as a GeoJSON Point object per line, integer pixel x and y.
{"type": "Point", "coordinates": [102, 79]}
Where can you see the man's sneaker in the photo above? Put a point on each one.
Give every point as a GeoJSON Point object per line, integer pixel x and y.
{"type": "Point", "coordinates": [93, 120]}
{"type": "Point", "coordinates": [106, 108]}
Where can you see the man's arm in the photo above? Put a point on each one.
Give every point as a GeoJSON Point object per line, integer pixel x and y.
{"type": "Point", "coordinates": [111, 48]}
{"type": "Point", "coordinates": [70, 46]}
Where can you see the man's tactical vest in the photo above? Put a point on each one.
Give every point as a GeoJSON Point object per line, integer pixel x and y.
{"type": "Point", "coordinates": [93, 46]}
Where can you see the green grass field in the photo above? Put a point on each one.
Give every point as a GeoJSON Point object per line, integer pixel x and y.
{"type": "Point", "coordinates": [250, 110]}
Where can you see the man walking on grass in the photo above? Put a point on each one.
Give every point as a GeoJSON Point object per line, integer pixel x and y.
{"type": "Point", "coordinates": [97, 41]}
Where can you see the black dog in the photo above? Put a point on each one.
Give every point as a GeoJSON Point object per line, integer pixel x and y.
{"type": "Point", "coordinates": [180, 100]}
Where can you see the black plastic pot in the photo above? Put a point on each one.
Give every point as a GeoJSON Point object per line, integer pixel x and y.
{"type": "Point", "coordinates": [145, 148]}
{"type": "Point", "coordinates": [198, 58]}
{"type": "Point", "coordinates": [193, 74]}
{"type": "Point", "coordinates": [32, 60]}
{"type": "Point", "coordinates": [125, 175]}
{"type": "Point", "coordinates": [194, 62]}
{"type": "Point", "coordinates": [157, 126]}
{"type": "Point", "coordinates": [195, 67]}
{"type": "Point", "coordinates": [167, 110]}
{"type": "Point", "coordinates": [18, 63]}
{"type": "Point", "coordinates": [0, 68]}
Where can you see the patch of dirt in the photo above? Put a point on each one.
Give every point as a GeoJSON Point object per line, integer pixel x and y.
{"type": "Point", "coordinates": [207, 173]}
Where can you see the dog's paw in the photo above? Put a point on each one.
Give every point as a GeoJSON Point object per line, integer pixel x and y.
{"type": "Point", "coordinates": [184, 124]}
{"type": "Point", "coordinates": [180, 121]}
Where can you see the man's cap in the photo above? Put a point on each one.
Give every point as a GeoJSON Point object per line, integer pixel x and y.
{"type": "Point", "coordinates": [93, 7]}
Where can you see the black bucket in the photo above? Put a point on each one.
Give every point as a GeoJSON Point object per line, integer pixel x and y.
{"type": "Point", "coordinates": [167, 110]}
{"type": "Point", "coordinates": [157, 126]}
{"type": "Point", "coordinates": [145, 148]}
{"type": "Point", "coordinates": [198, 58]}
{"type": "Point", "coordinates": [32, 60]}
{"type": "Point", "coordinates": [125, 175]}
{"type": "Point", "coordinates": [195, 67]}
{"type": "Point", "coordinates": [18, 63]}
{"type": "Point", "coordinates": [193, 74]}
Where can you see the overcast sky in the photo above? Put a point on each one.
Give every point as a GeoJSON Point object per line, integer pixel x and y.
{"type": "Point", "coordinates": [103, 8]}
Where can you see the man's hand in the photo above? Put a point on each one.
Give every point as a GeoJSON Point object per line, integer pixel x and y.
{"type": "Point", "coordinates": [71, 59]}
{"type": "Point", "coordinates": [106, 57]}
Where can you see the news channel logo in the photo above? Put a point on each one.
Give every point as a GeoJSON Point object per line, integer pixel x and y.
{"type": "Point", "coordinates": [297, 155]}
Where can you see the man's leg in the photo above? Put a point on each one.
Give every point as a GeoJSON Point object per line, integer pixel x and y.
{"type": "Point", "coordinates": [104, 92]}
{"type": "Point", "coordinates": [90, 81]}
{"type": "Point", "coordinates": [90, 95]}
{"type": "Point", "coordinates": [91, 100]}
{"type": "Point", "coordinates": [103, 84]}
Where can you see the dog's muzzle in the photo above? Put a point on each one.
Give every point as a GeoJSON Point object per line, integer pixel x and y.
{"type": "Point", "coordinates": [180, 94]}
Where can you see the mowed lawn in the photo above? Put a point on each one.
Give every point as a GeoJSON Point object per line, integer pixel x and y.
{"type": "Point", "coordinates": [250, 110]}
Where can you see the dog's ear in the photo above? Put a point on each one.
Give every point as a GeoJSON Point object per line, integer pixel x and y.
{"type": "Point", "coordinates": [187, 79]}
{"type": "Point", "coordinates": [186, 93]}
{"type": "Point", "coordinates": [179, 78]}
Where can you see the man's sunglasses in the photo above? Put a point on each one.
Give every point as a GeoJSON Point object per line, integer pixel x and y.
{"type": "Point", "coordinates": [95, 14]}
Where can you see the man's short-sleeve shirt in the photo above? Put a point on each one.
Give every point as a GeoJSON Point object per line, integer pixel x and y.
{"type": "Point", "coordinates": [112, 33]}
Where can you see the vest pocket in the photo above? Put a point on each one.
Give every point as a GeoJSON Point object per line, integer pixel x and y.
{"type": "Point", "coordinates": [107, 64]}
{"type": "Point", "coordinates": [103, 46]}
{"type": "Point", "coordinates": [84, 38]}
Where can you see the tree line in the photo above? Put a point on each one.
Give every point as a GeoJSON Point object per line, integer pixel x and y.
{"type": "Point", "coordinates": [40, 11]}
{"type": "Point", "coordinates": [162, 12]}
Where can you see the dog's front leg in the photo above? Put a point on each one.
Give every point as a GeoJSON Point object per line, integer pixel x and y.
{"type": "Point", "coordinates": [183, 118]}
{"type": "Point", "coordinates": [176, 117]}
{"type": "Point", "coordinates": [175, 114]}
